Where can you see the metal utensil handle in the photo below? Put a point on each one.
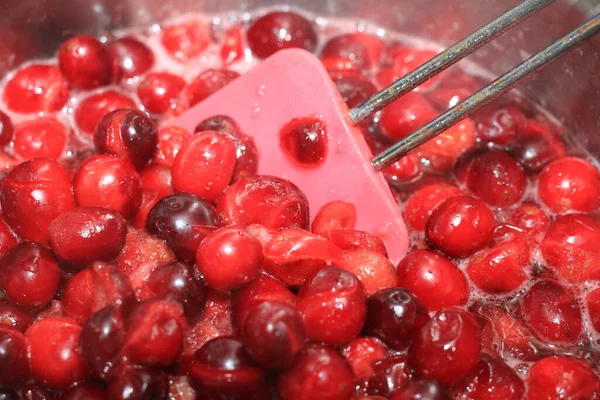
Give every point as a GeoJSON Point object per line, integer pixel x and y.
{"type": "Point", "coordinates": [447, 58]}
{"type": "Point", "coordinates": [487, 94]}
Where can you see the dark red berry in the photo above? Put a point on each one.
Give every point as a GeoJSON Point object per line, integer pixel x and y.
{"type": "Point", "coordinates": [85, 391]}
{"type": "Point", "coordinates": [160, 93]}
{"type": "Point", "coordinates": [350, 51]}
{"type": "Point", "coordinates": [354, 88]}
{"type": "Point", "coordinates": [90, 110]}
{"type": "Point", "coordinates": [389, 375]}
{"type": "Point", "coordinates": [133, 56]}
{"type": "Point", "coordinates": [500, 125]}
{"type": "Point", "coordinates": [305, 141]}
{"type": "Point", "coordinates": [14, 364]}
{"type": "Point", "coordinates": [139, 384]}
{"type": "Point", "coordinates": [422, 389]}
{"type": "Point", "coordinates": [207, 83]}
{"type": "Point", "coordinates": [537, 146]}
{"type": "Point", "coordinates": [6, 129]}
{"type": "Point", "coordinates": [86, 63]}
{"type": "Point", "coordinates": [280, 30]}
{"type": "Point", "coordinates": [11, 317]}
{"type": "Point", "coordinates": [405, 115]}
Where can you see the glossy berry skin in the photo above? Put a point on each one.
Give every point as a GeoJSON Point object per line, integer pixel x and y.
{"type": "Point", "coordinates": [395, 316]}
{"type": "Point", "coordinates": [500, 125]}
{"type": "Point", "coordinates": [442, 152]}
{"type": "Point", "coordinates": [14, 365]}
{"type": "Point", "coordinates": [530, 217]}
{"type": "Point", "coordinates": [11, 317]}
{"type": "Point", "coordinates": [362, 354]}
{"type": "Point", "coordinates": [537, 146]}
{"type": "Point", "coordinates": [280, 30]}
{"type": "Point", "coordinates": [54, 352]}
{"type": "Point", "coordinates": [389, 375]}
{"type": "Point", "coordinates": [40, 137]}
{"type": "Point", "coordinates": [29, 275]}
{"type": "Point", "coordinates": [551, 313]}
{"type": "Point", "coordinates": [169, 142]}
{"type": "Point", "coordinates": [86, 63]}
{"type": "Point", "coordinates": [36, 88]}
{"type": "Point", "coordinates": [493, 176]}
{"type": "Point", "coordinates": [86, 234]}
{"type": "Point", "coordinates": [207, 83]}
{"type": "Point", "coordinates": [7, 238]}
{"type": "Point", "coordinates": [354, 89]}
{"type": "Point", "coordinates": [107, 181]}
{"type": "Point", "coordinates": [28, 215]}
{"type": "Point", "coordinates": [334, 215]}
{"type": "Point", "coordinates": [139, 383]}
{"type": "Point", "coordinates": [422, 389]}
{"type": "Point", "coordinates": [593, 304]}
{"type": "Point", "coordinates": [318, 373]}
{"type": "Point", "coordinates": [304, 141]}
{"type": "Point", "coordinates": [157, 178]}
{"type": "Point", "coordinates": [205, 165]}
{"type": "Point", "coordinates": [221, 369]}
{"type": "Point", "coordinates": [183, 220]}
{"type": "Point", "coordinates": [561, 377]}
{"type": "Point", "coordinates": [134, 57]}
{"type": "Point", "coordinates": [129, 134]}
{"type": "Point", "coordinates": [85, 391]}
{"type": "Point", "coordinates": [35, 392]}
{"type": "Point", "coordinates": [273, 334]}
{"type": "Point", "coordinates": [405, 115]}
{"type": "Point", "coordinates": [6, 129]}
{"type": "Point", "coordinates": [570, 184]}
{"type": "Point", "coordinates": [447, 347]}
{"type": "Point", "coordinates": [232, 49]}
{"type": "Point", "coordinates": [266, 200]}
{"type": "Point", "coordinates": [159, 93]}
{"type": "Point", "coordinates": [460, 226]}
{"type": "Point", "coordinates": [422, 203]}
{"type": "Point", "coordinates": [228, 258]}
{"type": "Point", "coordinates": [332, 306]}
{"type": "Point", "coordinates": [186, 40]}
{"type": "Point", "coordinates": [351, 52]}
{"type": "Point", "coordinates": [433, 279]}
{"type": "Point", "coordinates": [90, 110]}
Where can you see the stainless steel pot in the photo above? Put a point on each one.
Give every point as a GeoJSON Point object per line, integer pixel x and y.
{"type": "Point", "coordinates": [570, 89]}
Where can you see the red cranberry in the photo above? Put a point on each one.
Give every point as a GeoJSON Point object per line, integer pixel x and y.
{"type": "Point", "coordinates": [362, 354]}
{"type": "Point", "coordinates": [185, 40]}
{"type": "Point", "coordinates": [551, 313]}
{"type": "Point", "coordinates": [395, 316]}
{"type": "Point", "coordinates": [354, 89]}
{"type": "Point", "coordinates": [420, 205]}
{"type": "Point", "coordinates": [139, 384]}
{"type": "Point", "coordinates": [232, 48]}
{"type": "Point", "coordinates": [40, 137]}
{"type": "Point", "coordinates": [143, 252]}
{"type": "Point", "coordinates": [176, 281]}
{"type": "Point", "coordinates": [493, 176]}
{"type": "Point", "coordinates": [8, 239]}
{"type": "Point", "coordinates": [107, 181]}
{"type": "Point", "coordinates": [561, 377]}
{"type": "Point", "coordinates": [33, 194]}
{"type": "Point", "coordinates": [149, 199]}
{"type": "Point", "coordinates": [570, 184]}
{"type": "Point", "coordinates": [441, 152]}
{"type": "Point", "coordinates": [94, 288]}
{"type": "Point", "coordinates": [403, 60]}
{"type": "Point", "coordinates": [160, 92]}
{"type": "Point", "coordinates": [85, 391]}
{"type": "Point", "coordinates": [86, 63]}
{"type": "Point", "coordinates": [54, 352]}
{"type": "Point", "coordinates": [433, 279]}
{"type": "Point", "coordinates": [447, 347]}
{"type": "Point", "coordinates": [7, 393]}
{"type": "Point", "coordinates": [359, 50]}
{"type": "Point", "coordinates": [273, 334]}
{"type": "Point", "coordinates": [157, 178]}
{"type": "Point", "coordinates": [228, 258]}
{"type": "Point", "coordinates": [460, 226]}
{"type": "Point", "coordinates": [530, 217]}
{"type": "Point", "coordinates": [405, 115]}
{"type": "Point", "coordinates": [304, 141]}
{"type": "Point", "coordinates": [133, 56]}
{"type": "Point", "coordinates": [263, 288]}
{"type": "Point", "coordinates": [269, 201]}
{"type": "Point", "coordinates": [86, 234]}
{"type": "Point", "coordinates": [335, 215]}
{"type": "Point", "coordinates": [91, 109]}
{"type": "Point", "coordinates": [593, 303]}
{"type": "Point", "coordinates": [490, 379]}
{"type": "Point", "coordinates": [406, 170]}
{"type": "Point", "coordinates": [536, 147]}
{"type": "Point", "coordinates": [422, 389]}
{"type": "Point", "coordinates": [29, 275]}
{"type": "Point", "coordinates": [183, 221]}
{"type": "Point", "coordinates": [332, 305]}
{"type": "Point", "coordinates": [36, 88]}
{"type": "Point", "coordinates": [215, 321]}
{"type": "Point", "coordinates": [169, 142]}
{"type": "Point", "coordinates": [209, 82]}
{"type": "Point", "coordinates": [374, 269]}
{"type": "Point", "coordinates": [6, 129]}
{"type": "Point", "coordinates": [14, 365]}
{"type": "Point", "coordinates": [570, 248]}
{"type": "Point", "coordinates": [35, 392]}
{"type": "Point", "coordinates": [101, 341]}
{"type": "Point", "coordinates": [11, 317]}
{"type": "Point", "coordinates": [388, 376]}
{"type": "Point", "coordinates": [221, 369]}
{"type": "Point", "coordinates": [319, 372]}
{"type": "Point", "coordinates": [500, 125]}
{"type": "Point", "coordinates": [349, 239]}
{"type": "Point", "coordinates": [281, 30]}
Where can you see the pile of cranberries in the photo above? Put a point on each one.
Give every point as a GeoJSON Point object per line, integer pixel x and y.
{"type": "Point", "coordinates": [143, 261]}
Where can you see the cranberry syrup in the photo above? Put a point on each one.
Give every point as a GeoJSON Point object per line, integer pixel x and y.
{"type": "Point", "coordinates": [140, 260]}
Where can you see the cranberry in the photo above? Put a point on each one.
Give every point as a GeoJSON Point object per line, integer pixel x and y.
{"type": "Point", "coordinates": [107, 181]}
{"type": "Point", "coordinates": [395, 316]}
{"type": "Point", "coordinates": [232, 48]}
{"type": "Point", "coordinates": [500, 125]}
{"type": "Point", "coordinates": [490, 379]}
{"type": "Point", "coordinates": [85, 391]}
{"type": "Point", "coordinates": [360, 50]}
{"type": "Point", "coordinates": [228, 258]}
{"type": "Point", "coordinates": [561, 377]}
{"type": "Point", "coordinates": [157, 178]}
{"type": "Point", "coordinates": [14, 365]}
{"type": "Point", "coordinates": [11, 317]}
{"type": "Point", "coordinates": [403, 60]}
{"type": "Point", "coordinates": [304, 141]}
{"type": "Point", "coordinates": [183, 220]}
{"type": "Point", "coordinates": [374, 269]}
{"type": "Point", "coordinates": [354, 89]}
{"type": "Point", "coordinates": [530, 217]}
{"type": "Point", "coordinates": [335, 215]}
{"type": "Point", "coordinates": [7, 238]}
{"type": "Point", "coordinates": [388, 376]}
{"type": "Point", "coordinates": [536, 147]}
{"type": "Point", "coordinates": [406, 170]}
{"type": "Point", "coordinates": [405, 115]}
{"type": "Point", "coordinates": [29, 275]}
{"type": "Point", "coordinates": [460, 226]}
{"type": "Point", "coordinates": [133, 56]}
{"type": "Point", "coordinates": [6, 129]}
{"type": "Point", "coordinates": [53, 352]}
{"type": "Point", "coordinates": [493, 176]}
{"type": "Point", "coordinates": [40, 137]}
{"type": "Point", "coordinates": [149, 199]}
{"type": "Point", "coordinates": [319, 372]}
{"type": "Point", "coordinates": [593, 303]}
{"type": "Point", "coordinates": [215, 321]}
{"type": "Point", "coordinates": [422, 389]}
{"type": "Point", "coordinates": [447, 347]}
{"type": "Point", "coordinates": [160, 93]}
{"type": "Point", "coordinates": [570, 247]}
{"type": "Point", "coordinates": [86, 63]}
{"type": "Point", "coordinates": [281, 30]}
{"type": "Point", "coordinates": [35, 392]}
{"type": "Point", "coordinates": [7, 393]}
{"type": "Point", "coordinates": [441, 152]}
{"type": "Point", "coordinates": [209, 82]}
{"type": "Point", "coordinates": [434, 279]}
{"type": "Point", "coordinates": [143, 252]}
{"type": "Point", "coordinates": [349, 239]}
{"type": "Point", "coordinates": [551, 313]}
{"type": "Point", "coordinates": [91, 109]}
{"type": "Point", "coordinates": [139, 383]}
{"type": "Point", "coordinates": [422, 203]}
{"type": "Point", "coordinates": [169, 142]}
{"type": "Point", "coordinates": [263, 288]}
{"type": "Point", "coordinates": [185, 40]}
{"type": "Point", "coordinates": [36, 88]}
{"type": "Point", "coordinates": [362, 354]}
{"type": "Point", "coordinates": [221, 369]}
{"type": "Point", "coordinates": [33, 194]}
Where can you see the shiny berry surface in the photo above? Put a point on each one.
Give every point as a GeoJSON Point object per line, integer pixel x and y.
{"type": "Point", "coordinates": [14, 365]}
{"type": "Point", "coordinates": [207, 83]}
{"type": "Point", "coordinates": [556, 377]}
{"type": "Point", "coordinates": [280, 30]}
{"type": "Point", "coordinates": [304, 141]}
{"type": "Point", "coordinates": [36, 88]}
{"type": "Point", "coordinates": [134, 57]}
{"type": "Point", "coordinates": [86, 63]}
{"type": "Point", "coordinates": [40, 137]}
{"type": "Point", "coordinates": [159, 93]}
{"type": "Point", "coordinates": [90, 110]}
